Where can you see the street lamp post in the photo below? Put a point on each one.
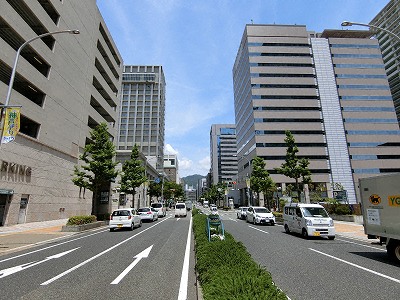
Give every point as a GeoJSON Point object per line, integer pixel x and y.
{"type": "Point", "coordinates": [11, 83]}
{"type": "Point", "coordinates": [348, 23]}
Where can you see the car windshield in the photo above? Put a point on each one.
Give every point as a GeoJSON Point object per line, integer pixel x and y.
{"type": "Point", "coordinates": [144, 209]}
{"type": "Point", "coordinates": [179, 206]}
{"type": "Point", "coordinates": [156, 205]}
{"type": "Point", "coordinates": [314, 212]}
{"type": "Point", "coordinates": [261, 210]}
{"type": "Point", "coordinates": [245, 208]}
{"type": "Point", "coordinates": [120, 213]}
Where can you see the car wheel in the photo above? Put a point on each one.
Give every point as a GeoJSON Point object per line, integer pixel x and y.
{"type": "Point", "coordinates": [132, 226]}
{"type": "Point", "coordinates": [140, 223]}
{"type": "Point", "coordinates": [254, 221]}
{"type": "Point", "coordinates": [304, 234]}
{"type": "Point", "coordinates": [331, 237]}
{"type": "Point", "coordinates": [111, 229]}
{"type": "Point", "coordinates": [287, 230]}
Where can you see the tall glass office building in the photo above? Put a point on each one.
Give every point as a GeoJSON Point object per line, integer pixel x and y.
{"type": "Point", "coordinates": [142, 112]}
{"type": "Point", "coordinates": [389, 18]}
{"type": "Point", "coordinates": [329, 89]}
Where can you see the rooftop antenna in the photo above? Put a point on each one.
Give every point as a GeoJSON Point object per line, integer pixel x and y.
{"type": "Point", "coordinates": [251, 21]}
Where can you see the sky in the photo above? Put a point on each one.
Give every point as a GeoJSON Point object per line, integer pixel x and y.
{"type": "Point", "coordinates": [196, 43]}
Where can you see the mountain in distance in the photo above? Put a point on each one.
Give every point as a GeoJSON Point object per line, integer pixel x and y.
{"type": "Point", "coordinates": [192, 180]}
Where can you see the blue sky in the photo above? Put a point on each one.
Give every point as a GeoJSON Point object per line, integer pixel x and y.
{"type": "Point", "coordinates": [196, 43]}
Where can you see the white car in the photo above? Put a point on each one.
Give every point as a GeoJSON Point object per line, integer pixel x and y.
{"type": "Point", "coordinates": [260, 215]}
{"type": "Point", "coordinates": [242, 212]}
{"type": "Point", "coordinates": [214, 210]}
{"type": "Point", "coordinates": [148, 214]}
{"type": "Point", "coordinates": [180, 210]}
{"type": "Point", "coordinates": [160, 208]}
{"type": "Point", "coordinates": [124, 218]}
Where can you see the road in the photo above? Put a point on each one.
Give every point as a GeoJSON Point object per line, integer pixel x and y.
{"type": "Point", "coordinates": [318, 268]}
{"type": "Point", "coordinates": [150, 262]}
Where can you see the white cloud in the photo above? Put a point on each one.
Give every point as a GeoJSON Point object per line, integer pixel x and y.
{"type": "Point", "coordinates": [168, 149]}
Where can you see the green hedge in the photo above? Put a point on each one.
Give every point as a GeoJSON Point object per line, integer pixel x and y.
{"type": "Point", "coordinates": [227, 271]}
{"type": "Point", "coordinates": [79, 220]}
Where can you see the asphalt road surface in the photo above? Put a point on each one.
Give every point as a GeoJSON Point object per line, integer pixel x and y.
{"type": "Point", "coordinates": [318, 268]}
{"type": "Point", "coordinates": [155, 261]}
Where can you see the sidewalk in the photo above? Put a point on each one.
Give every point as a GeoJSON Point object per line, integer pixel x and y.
{"type": "Point", "coordinates": [352, 230]}
{"type": "Point", "coordinates": [22, 236]}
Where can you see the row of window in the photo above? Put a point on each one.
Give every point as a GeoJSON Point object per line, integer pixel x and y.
{"type": "Point", "coordinates": [267, 120]}
{"type": "Point", "coordinates": [252, 44]}
{"type": "Point", "coordinates": [281, 97]}
{"type": "Point", "coordinates": [373, 157]}
{"type": "Point", "coordinates": [368, 98]}
{"type": "Point", "coordinates": [369, 120]}
{"type": "Point", "coordinates": [297, 108]}
{"type": "Point", "coordinates": [372, 145]}
{"type": "Point", "coordinates": [300, 65]}
{"type": "Point", "coordinates": [257, 75]}
{"type": "Point", "coordinates": [280, 54]}
{"type": "Point", "coordinates": [375, 171]}
{"type": "Point", "coordinates": [377, 76]}
{"type": "Point", "coordinates": [357, 55]}
{"type": "Point", "coordinates": [363, 86]}
{"type": "Point", "coordinates": [283, 132]}
{"type": "Point", "coordinates": [373, 132]}
{"type": "Point", "coordinates": [285, 86]}
{"type": "Point", "coordinates": [353, 108]}
{"type": "Point", "coordinates": [368, 46]}
{"type": "Point", "coordinates": [273, 145]}
{"type": "Point", "coordinates": [360, 66]}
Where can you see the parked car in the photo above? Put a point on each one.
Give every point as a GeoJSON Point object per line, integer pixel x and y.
{"type": "Point", "coordinates": [180, 210]}
{"type": "Point", "coordinates": [148, 214]}
{"type": "Point", "coordinates": [160, 208]}
{"type": "Point", "coordinates": [124, 218]}
{"type": "Point", "coordinates": [260, 215]}
{"type": "Point", "coordinates": [241, 212]}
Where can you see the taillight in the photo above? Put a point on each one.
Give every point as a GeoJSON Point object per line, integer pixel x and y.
{"type": "Point", "coordinates": [130, 217]}
{"type": "Point", "coordinates": [110, 217]}
{"type": "Point", "coordinates": [149, 212]}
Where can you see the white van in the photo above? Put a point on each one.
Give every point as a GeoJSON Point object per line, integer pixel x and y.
{"type": "Point", "coordinates": [180, 210]}
{"type": "Point", "coordinates": [308, 220]}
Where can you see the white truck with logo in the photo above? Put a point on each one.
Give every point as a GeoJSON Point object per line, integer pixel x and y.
{"type": "Point", "coordinates": [380, 203]}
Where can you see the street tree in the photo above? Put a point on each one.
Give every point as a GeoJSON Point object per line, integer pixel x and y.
{"type": "Point", "coordinates": [98, 167]}
{"type": "Point", "coordinates": [132, 175]}
{"type": "Point", "coordinates": [293, 167]}
{"type": "Point", "coordinates": [260, 180]}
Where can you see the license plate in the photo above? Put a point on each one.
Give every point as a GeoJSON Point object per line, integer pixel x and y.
{"type": "Point", "coordinates": [119, 225]}
{"type": "Point", "coordinates": [317, 233]}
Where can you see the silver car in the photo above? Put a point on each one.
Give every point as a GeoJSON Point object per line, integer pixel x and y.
{"type": "Point", "coordinates": [124, 218]}
{"type": "Point", "coordinates": [148, 214]}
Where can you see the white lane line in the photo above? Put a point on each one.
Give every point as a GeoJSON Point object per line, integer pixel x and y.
{"type": "Point", "coordinates": [185, 269]}
{"type": "Point", "coordinates": [97, 255]}
{"type": "Point", "coordinates": [233, 220]}
{"type": "Point", "coordinates": [357, 266]}
{"type": "Point", "coordinates": [380, 249]}
{"type": "Point", "coordinates": [45, 248]}
{"type": "Point", "coordinates": [258, 229]}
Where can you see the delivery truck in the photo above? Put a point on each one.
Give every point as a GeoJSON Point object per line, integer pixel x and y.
{"type": "Point", "coordinates": [380, 203]}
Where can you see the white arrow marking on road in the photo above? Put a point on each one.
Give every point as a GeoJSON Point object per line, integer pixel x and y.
{"type": "Point", "coordinates": [10, 271]}
{"type": "Point", "coordinates": [143, 254]}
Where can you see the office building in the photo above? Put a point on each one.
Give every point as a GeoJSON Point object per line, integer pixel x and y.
{"type": "Point", "coordinates": [171, 167]}
{"type": "Point", "coordinates": [330, 90]}
{"type": "Point", "coordinates": [223, 153]}
{"type": "Point", "coordinates": [389, 18]}
{"type": "Point", "coordinates": [66, 85]}
{"type": "Point", "coordinates": [142, 112]}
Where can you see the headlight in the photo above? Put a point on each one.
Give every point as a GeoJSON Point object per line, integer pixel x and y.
{"type": "Point", "coordinates": [331, 223]}
{"type": "Point", "coordinates": [308, 222]}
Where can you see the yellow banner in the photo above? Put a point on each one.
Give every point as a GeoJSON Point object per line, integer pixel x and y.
{"type": "Point", "coordinates": [11, 124]}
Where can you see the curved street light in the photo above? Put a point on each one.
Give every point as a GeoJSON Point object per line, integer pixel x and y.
{"type": "Point", "coordinates": [348, 23]}
{"type": "Point", "coordinates": [10, 85]}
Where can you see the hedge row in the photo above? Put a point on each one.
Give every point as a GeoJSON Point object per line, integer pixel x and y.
{"type": "Point", "coordinates": [79, 220]}
{"type": "Point", "coordinates": [227, 271]}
